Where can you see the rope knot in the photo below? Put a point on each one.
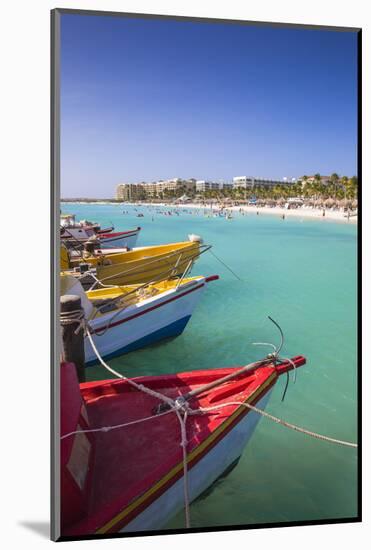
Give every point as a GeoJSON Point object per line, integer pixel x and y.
{"type": "Point", "coordinates": [74, 317]}
{"type": "Point", "coordinates": [180, 404]}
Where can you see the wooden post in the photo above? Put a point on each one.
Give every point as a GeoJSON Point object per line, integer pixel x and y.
{"type": "Point", "coordinates": [73, 344]}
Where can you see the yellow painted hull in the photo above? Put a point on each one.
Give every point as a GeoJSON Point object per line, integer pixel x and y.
{"type": "Point", "coordinates": [142, 265]}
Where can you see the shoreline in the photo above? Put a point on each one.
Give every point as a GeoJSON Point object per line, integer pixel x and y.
{"type": "Point", "coordinates": [311, 213]}
{"type": "Point", "coordinates": [302, 212]}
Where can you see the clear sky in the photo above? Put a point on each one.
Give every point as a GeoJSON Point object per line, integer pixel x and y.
{"type": "Point", "coordinates": [143, 100]}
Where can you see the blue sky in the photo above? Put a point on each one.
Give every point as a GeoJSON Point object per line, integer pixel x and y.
{"type": "Point", "coordinates": [155, 99]}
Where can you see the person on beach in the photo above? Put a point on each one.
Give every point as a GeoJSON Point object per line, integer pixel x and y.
{"type": "Point", "coordinates": [323, 212]}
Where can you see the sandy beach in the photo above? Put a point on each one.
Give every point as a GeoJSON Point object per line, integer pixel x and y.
{"type": "Point", "coordinates": [303, 212]}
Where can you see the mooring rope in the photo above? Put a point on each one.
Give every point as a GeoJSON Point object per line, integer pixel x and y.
{"type": "Point", "coordinates": [180, 407]}
{"type": "Point", "coordinates": [225, 265]}
{"type": "Point", "coordinates": [175, 405]}
{"type": "Point", "coordinates": [106, 429]}
{"type": "Point", "coordinates": [283, 423]}
{"type": "Point", "coordinates": [75, 316]}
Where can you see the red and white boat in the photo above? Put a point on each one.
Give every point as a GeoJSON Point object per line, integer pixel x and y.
{"type": "Point", "coordinates": [73, 232]}
{"type": "Point", "coordinates": [129, 478]}
{"type": "Point", "coordinates": [80, 235]}
{"type": "Point", "coordinates": [122, 239]}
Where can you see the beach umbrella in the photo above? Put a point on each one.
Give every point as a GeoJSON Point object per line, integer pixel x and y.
{"type": "Point", "coordinates": [329, 202]}
{"type": "Point", "coordinates": [318, 202]}
{"type": "Point", "coordinates": [281, 201]}
{"type": "Point", "coordinates": [343, 203]}
{"type": "Point", "coordinates": [355, 203]}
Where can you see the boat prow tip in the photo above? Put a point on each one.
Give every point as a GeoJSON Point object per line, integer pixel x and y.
{"type": "Point", "coordinates": [211, 278]}
{"type": "Point", "coordinates": [291, 364]}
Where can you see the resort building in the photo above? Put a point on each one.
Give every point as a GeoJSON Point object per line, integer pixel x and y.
{"type": "Point", "coordinates": [226, 185]}
{"type": "Point", "coordinates": [249, 182]}
{"type": "Point", "coordinates": [151, 189]}
{"type": "Point", "coordinates": [126, 191]}
{"type": "Point", "coordinates": [203, 185]}
{"type": "Point", "coordinates": [129, 191]}
{"type": "Point", "coordinates": [139, 191]}
{"type": "Point", "coordinates": [176, 184]}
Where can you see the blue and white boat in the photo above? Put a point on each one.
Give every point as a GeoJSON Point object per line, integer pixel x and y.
{"type": "Point", "coordinates": [125, 318]}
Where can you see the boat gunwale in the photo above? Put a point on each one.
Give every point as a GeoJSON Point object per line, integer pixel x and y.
{"type": "Point", "coordinates": [136, 310]}
{"type": "Point", "coordinates": [138, 499]}
{"type": "Point", "coordinates": [268, 376]}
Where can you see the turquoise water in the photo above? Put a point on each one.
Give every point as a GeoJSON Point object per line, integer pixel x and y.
{"type": "Point", "coordinates": [303, 274]}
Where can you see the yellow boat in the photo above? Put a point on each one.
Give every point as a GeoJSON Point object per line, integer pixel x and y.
{"type": "Point", "coordinates": [139, 265]}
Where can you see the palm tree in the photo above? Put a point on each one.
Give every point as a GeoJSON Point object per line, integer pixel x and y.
{"type": "Point", "coordinates": [334, 179]}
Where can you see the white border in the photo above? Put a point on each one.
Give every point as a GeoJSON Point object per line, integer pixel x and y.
{"type": "Point", "coordinates": [25, 453]}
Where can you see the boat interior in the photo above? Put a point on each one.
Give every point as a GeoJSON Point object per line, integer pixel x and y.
{"type": "Point", "coordinates": [100, 257]}
{"type": "Point", "coordinates": [128, 461]}
{"type": "Point", "coordinates": [114, 298]}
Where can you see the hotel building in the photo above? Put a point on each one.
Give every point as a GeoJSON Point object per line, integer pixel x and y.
{"type": "Point", "coordinates": [129, 191]}
{"type": "Point", "coordinates": [249, 182]}
{"type": "Point", "coordinates": [203, 185]}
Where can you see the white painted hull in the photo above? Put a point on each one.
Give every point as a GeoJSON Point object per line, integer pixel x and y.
{"type": "Point", "coordinates": [201, 476]}
{"type": "Point", "coordinates": [126, 240]}
{"type": "Point", "coordinates": [122, 241]}
{"type": "Point", "coordinates": [146, 322]}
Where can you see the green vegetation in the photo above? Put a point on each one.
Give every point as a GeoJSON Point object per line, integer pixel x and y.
{"type": "Point", "coordinates": [314, 188]}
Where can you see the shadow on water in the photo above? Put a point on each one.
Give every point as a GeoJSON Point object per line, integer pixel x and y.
{"type": "Point", "coordinates": [41, 528]}
{"type": "Point", "coordinates": [218, 481]}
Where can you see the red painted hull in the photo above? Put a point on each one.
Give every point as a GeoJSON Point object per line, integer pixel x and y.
{"type": "Point", "coordinates": [134, 465]}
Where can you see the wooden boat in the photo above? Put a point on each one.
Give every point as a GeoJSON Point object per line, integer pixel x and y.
{"type": "Point", "coordinates": [131, 478]}
{"type": "Point", "coordinates": [83, 228]}
{"type": "Point", "coordinates": [125, 318]}
{"type": "Point", "coordinates": [77, 237]}
{"type": "Point", "coordinates": [140, 265]}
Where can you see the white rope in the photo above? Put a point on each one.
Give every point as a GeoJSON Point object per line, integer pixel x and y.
{"type": "Point", "coordinates": [282, 422]}
{"type": "Point", "coordinates": [115, 426]}
{"type": "Point", "coordinates": [183, 444]}
{"type": "Point", "coordinates": [139, 387]}
{"type": "Point", "coordinates": [75, 316]}
{"type": "Point", "coordinates": [175, 405]}
{"type": "Point", "coordinates": [179, 406]}
{"type": "Point", "coordinates": [292, 363]}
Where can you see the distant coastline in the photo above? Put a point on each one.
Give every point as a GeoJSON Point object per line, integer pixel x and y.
{"type": "Point", "coordinates": [330, 214]}
{"type": "Point", "coordinates": [88, 200]}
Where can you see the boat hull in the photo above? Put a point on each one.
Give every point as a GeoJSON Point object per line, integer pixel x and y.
{"type": "Point", "coordinates": [139, 265]}
{"type": "Point", "coordinates": [128, 477]}
{"type": "Point", "coordinates": [125, 239]}
{"type": "Point", "coordinates": [145, 324]}
{"type": "Point", "coordinates": [148, 266]}
{"type": "Point", "coordinates": [215, 462]}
